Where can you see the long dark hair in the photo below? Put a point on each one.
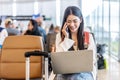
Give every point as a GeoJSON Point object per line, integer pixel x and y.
{"type": "Point", "coordinates": [80, 35]}
{"type": "Point", "coordinates": [35, 30]}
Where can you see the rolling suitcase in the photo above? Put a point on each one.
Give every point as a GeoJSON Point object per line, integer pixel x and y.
{"type": "Point", "coordinates": [36, 53]}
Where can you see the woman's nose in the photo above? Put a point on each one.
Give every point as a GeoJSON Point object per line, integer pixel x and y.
{"type": "Point", "coordinates": [72, 24]}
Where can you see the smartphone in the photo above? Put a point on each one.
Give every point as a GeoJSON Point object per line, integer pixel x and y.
{"type": "Point", "coordinates": [67, 29]}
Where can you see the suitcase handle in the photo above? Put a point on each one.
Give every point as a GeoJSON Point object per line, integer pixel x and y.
{"type": "Point", "coordinates": [37, 53]}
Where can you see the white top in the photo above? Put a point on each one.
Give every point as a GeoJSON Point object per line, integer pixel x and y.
{"type": "Point", "coordinates": [3, 35]}
{"type": "Point", "coordinates": [68, 43]}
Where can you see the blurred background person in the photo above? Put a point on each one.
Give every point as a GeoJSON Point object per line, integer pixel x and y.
{"type": "Point", "coordinates": [32, 28]}
{"type": "Point", "coordinates": [51, 37]}
{"type": "Point", "coordinates": [51, 29]}
{"type": "Point", "coordinates": [57, 29]}
{"type": "Point", "coordinates": [11, 28]}
{"type": "Point", "coordinates": [3, 34]}
{"type": "Point", "coordinates": [39, 20]}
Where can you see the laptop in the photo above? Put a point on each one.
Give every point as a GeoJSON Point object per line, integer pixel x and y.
{"type": "Point", "coordinates": [72, 61]}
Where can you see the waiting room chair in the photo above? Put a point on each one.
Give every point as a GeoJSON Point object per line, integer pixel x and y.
{"type": "Point", "coordinates": [12, 63]}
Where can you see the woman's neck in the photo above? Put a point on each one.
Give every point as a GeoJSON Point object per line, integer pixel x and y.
{"type": "Point", "coordinates": [74, 34]}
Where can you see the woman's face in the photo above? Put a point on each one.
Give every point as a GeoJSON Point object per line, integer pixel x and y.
{"type": "Point", "coordinates": [30, 26]}
{"type": "Point", "coordinates": [73, 22]}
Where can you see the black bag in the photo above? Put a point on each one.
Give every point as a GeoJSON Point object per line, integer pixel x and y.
{"type": "Point", "coordinates": [100, 62]}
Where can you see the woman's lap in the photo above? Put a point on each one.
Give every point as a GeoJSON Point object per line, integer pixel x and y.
{"type": "Point", "coordinates": [78, 76]}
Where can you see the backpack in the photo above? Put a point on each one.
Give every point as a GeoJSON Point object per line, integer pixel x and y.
{"type": "Point", "coordinates": [101, 62]}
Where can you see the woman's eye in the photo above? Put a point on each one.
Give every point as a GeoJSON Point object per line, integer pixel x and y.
{"type": "Point", "coordinates": [68, 21]}
{"type": "Point", "coordinates": [75, 21]}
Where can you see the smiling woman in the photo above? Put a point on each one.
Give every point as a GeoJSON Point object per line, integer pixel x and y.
{"type": "Point", "coordinates": [71, 37]}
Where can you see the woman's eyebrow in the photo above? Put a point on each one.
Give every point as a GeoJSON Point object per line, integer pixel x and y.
{"type": "Point", "coordinates": [73, 20]}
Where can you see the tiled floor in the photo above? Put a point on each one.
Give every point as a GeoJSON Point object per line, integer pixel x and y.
{"type": "Point", "coordinates": [113, 71]}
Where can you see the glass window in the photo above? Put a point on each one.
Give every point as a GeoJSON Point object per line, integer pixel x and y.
{"type": "Point", "coordinates": [114, 27]}
{"type": "Point", "coordinates": [106, 36]}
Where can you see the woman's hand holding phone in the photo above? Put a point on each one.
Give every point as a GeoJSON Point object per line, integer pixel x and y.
{"type": "Point", "coordinates": [64, 30]}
